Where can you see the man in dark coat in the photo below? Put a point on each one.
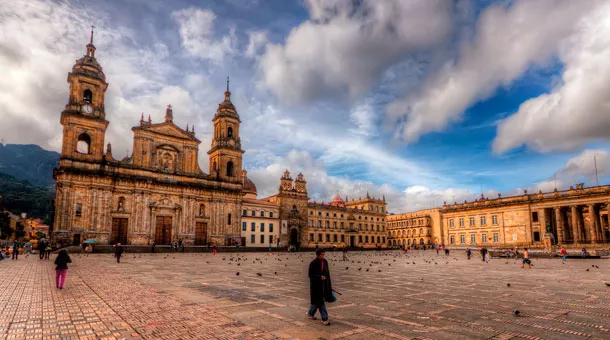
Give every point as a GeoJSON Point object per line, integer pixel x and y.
{"type": "Point", "coordinates": [118, 251]}
{"type": "Point", "coordinates": [320, 287]}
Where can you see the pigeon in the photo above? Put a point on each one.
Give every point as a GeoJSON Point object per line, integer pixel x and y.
{"type": "Point", "coordinates": [259, 274]}
{"type": "Point", "coordinates": [275, 273]}
{"type": "Point", "coordinates": [607, 284]}
{"type": "Point", "coordinates": [379, 270]}
{"type": "Point", "coordinates": [587, 269]}
{"type": "Point", "coordinates": [592, 266]}
{"type": "Point", "coordinates": [367, 269]}
{"type": "Point", "coordinates": [508, 285]}
{"type": "Point", "coordinates": [516, 312]}
{"type": "Point", "coordinates": [346, 268]}
{"type": "Point", "coordinates": [237, 274]}
{"type": "Point", "coordinates": [359, 269]}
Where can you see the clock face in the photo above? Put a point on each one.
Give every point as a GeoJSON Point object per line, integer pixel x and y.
{"type": "Point", "coordinates": [87, 108]}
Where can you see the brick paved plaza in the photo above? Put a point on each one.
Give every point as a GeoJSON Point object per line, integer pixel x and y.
{"type": "Point", "coordinates": [386, 295]}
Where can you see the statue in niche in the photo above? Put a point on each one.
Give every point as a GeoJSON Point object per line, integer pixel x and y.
{"type": "Point", "coordinates": [202, 210]}
{"type": "Point", "coordinates": [121, 205]}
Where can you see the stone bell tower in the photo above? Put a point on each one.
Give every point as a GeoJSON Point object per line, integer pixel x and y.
{"type": "Point", "coordinates": [84, 118]}
{"type": "Point", "coordinates": [226, 153]}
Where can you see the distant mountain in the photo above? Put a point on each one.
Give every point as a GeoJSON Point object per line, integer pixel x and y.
{"type": "Point", "coordinates": [30, 163]}
{"type": "Point", "coordinates": [19, 196]}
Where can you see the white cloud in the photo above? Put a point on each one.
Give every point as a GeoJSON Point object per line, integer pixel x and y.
{"type": "Point", "coordinates": [322, 187]}
{"type": "Point", "coordinates": [509, 37]}
{"type": "Point", "coordinates": [197, 34]}
{"type": "Point", "coordinates": [257, 41]}
{"type": "Point", "coordinates": [578, 169]}
{"type": "Point", "coordinates": [347, 45]}
{"type": "Point", "coordinates": [577, 110]}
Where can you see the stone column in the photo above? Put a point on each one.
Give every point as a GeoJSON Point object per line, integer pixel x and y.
{"type": "Point", "coordinates": [594, 223]}
{"type": "Point", "coordinates": [574, 226]}
{"type": "Point", "coordinates": [559, 221]}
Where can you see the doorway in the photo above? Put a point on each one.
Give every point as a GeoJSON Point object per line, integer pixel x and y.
{"type": "Point", "coordinates": [201, 231]}
{"type": "Point", "coordinates": [163, 232]}
{"type": "Point", "coordinates": [352, 241]}
{"type": "Point", "coordinates": [294, 236]}
{"type": "Point", "coordinates": [76, 240]}
{"type": "Point", "coordinates": [119, 231]}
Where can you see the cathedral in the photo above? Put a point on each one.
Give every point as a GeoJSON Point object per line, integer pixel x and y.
{"type": "Point", "coordinates": [157, 195]}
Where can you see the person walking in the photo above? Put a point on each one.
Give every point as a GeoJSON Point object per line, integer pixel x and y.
{"type": "Point", "coordinates": [118, 251]}
{"type": "Point", "coordinates": [42, 246]}
{"type": "Point", "coordinates": [468, 253]}
{"type": "Point", "coordinates": [526, 259]}
{"type": "Point", "coordinates": [214, 250]}
{"type": "Point", "coordinates": [47, 253]}
{"type": "Point", "coordinates": [564, 254]}
{"type": "Point", "coordinates": [583, 252]}
{"type": "Point", "coordinates": [152, 248]}
{"type": "Point", "coordinates": [15, 251]}
{"type": "Point", "coordinates": [437, 249]}
{"type": "Point", "coordinates": [61, 268]}
{"type": "Point", "coordinates": [483, 254]}
{"type": "Point", "coordinates": [345, 254]}
{"type": "Point", "coordinates": [320, 287]}
{"type": "Point", "coordinates": [180, 246]}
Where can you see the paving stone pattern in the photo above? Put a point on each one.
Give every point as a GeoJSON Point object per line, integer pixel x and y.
{"type": "Point", "coordinates": [386, 295]}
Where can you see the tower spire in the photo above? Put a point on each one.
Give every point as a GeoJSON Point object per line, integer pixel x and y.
{"type": "Point", "coordinates": [90, 46]}
{"type": "Point", "coordinates": [169, 114]}
{"type": "Point", "coordinates": [91, 39]}
{"type": "Point", "coordinates": [227, 83]}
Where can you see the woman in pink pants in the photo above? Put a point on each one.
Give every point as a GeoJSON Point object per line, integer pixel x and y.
{"type": "Point", "coordinates": [61, 268]}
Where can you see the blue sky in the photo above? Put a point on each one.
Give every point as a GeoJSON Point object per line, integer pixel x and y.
{"type": "Point", "coordinates": [424, 101]}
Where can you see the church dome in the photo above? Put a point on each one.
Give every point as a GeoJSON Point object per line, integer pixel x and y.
{"type": "Point", "coordinates": [249, 186]}
{"type": "Point", "coordinates": [337, 201]}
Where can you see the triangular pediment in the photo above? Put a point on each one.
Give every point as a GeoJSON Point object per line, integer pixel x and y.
{"type": "Point", "coordinates": [169, 129]}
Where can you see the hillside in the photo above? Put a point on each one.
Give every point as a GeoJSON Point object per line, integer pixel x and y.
{"type": "Point", "coordinates": [20, 196]}
{"type": "Point", "coordinates": [30, 163]}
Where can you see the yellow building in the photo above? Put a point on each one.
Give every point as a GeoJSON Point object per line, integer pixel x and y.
{"type": "Point", "coordinates": [574, 218]}
{"type": "Point", "coordinates": [415, 229]}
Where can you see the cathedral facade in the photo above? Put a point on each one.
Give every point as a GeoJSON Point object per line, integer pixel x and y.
{"type": "Point", "coordinates": [157, 195]}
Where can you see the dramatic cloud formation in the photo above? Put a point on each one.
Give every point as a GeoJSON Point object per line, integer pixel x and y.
{"type": "Point", "coordinates": [578, 109]}
{"type": "Point", "coordinates": [346, 45]}
{"type": "Point", "coordinates": [508, 39]}
{"type": "Point", "coordinates": [197, 34]}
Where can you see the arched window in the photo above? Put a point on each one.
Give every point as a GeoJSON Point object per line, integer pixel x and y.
{"type": "Point", "coordinates": [229, 132]}
{"type": "Point", "coordinates": [83, 143]}
{"type": "Point", "coordinates": [409, 242]}
{"type": "Point", "coordinates": [87, 96]}
{"type": "Point", "coordinates": [421, 231]}
{"type": "Point", "coordinates": [229, 169]}
{"type": "Point", "coordinates": [214, 166]}
{"type": "Point", "coordinates": [421, 241]}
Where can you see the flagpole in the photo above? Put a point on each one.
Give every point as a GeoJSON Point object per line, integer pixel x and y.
{"type": "Point", "coordinates": [595, 162]}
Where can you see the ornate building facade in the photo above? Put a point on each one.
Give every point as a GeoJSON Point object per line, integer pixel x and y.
{"type": "Point", "coordinates": [341, 223]}
{"type": "Point", "coordinates": [159, 193]}
{"type": "Point", "coordinates": [574, 218]}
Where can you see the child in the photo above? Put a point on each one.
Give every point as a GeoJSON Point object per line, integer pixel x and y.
{"type": "Point", "coordinates": [526, 259]}
{"type": "Point", "coordinates": [564, 254]}
{"type": "Point", "coordinates": [61, 268]}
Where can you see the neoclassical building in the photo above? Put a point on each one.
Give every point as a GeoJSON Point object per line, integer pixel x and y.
{"type": "Point", "coordinates": [574, 218]}
{"type": "Point", "coordinates": [156, 195]}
